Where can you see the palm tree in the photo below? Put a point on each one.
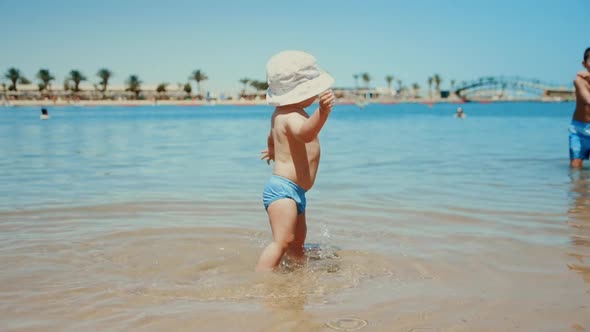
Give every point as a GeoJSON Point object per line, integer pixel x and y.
{"type": "Point", "coordinates": [104, 75]}
{"type": "Point", "coordinates": [399, 85]}
{"type": "Point", "coordinates": [356, 81]}
{"type": "Point", "coordinates": [76, 76]}
{"type": "Point", "coordinates": [45, 77]}
{"type": "Point", "coordinates": [134, 85]}
{"type": "Point", "coordinates": [199, 76]}
{"type": "Point", "coordinates": [188, 89]}
{"type": "Point", "coordinates": [437, 80]}
{"type": "Point", "coordinates": [416, 88]}
{"type": "Point", "coordinates": [259, 86]}
{"type": "Point", "coordinates": [389, 79]}
{"type": "Point", "coordinates": [366, 78]}
{"type": "Point", "coordinates": [15, 77]}
{"type": "Point", "coordinates": [244, 81]}
{"type": "Point", "coordinates": [161, 89]}
{"type": "Point", "coordinates": [430, 80]}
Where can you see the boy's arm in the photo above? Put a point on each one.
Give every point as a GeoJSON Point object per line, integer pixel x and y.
{"type": "Point", "coordinates": [582, 89]}
{"type": "Point", "coordinates": [269, 153]}
{"type": "Point", "coordinates": [306, 130]}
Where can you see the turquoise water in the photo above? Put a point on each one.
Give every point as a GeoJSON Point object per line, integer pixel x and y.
{"type": "Point", "coordinates": [126, 218]}
{"type": "Point", "coordinates": [504, 158]}
{"type": "Point", "coordinates": [508, 155]}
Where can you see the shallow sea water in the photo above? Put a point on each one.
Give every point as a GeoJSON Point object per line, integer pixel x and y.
{"type": "Point", "coordinates": [150, 219]}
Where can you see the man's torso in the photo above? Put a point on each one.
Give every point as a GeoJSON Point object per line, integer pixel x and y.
{"type": "Point", "coordinates": [582, 112]}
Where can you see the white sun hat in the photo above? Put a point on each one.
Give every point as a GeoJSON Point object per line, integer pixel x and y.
{"type": "Point", "coordinates": [294, 76]}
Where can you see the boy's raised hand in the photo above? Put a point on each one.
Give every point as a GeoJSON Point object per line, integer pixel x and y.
{"type": "Point", "coordinates": [327, 100]}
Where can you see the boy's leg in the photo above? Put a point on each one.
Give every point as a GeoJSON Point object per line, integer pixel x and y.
{"type": "Point", "coordinates": [282, 215]}
{"type": "Point", "coordinates": [296, 249]}
{"type": "Point", "coordinates": [576, 163]}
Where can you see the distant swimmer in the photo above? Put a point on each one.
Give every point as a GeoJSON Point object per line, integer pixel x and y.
{"type": "Point", "coordinates": [44, 114]}
{"type": "Point", "coordinates": [579, 129]}
{"type": "Point", "coordinates": [460, 114]}
{"type": "Point", "coordinates": [361, 103]}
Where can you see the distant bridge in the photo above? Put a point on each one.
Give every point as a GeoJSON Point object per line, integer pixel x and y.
{"type": "Point", "coordinates": [507, 88]}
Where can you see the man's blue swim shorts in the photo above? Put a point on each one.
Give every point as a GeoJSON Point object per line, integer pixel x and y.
{"type": "Point", "coordinates": [579, 140]}
{"type": "Point", "coordinates": [279, 187]}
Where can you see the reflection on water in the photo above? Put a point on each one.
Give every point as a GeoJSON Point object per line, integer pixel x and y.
{"type": "Point", "coordinates": [579, 220]}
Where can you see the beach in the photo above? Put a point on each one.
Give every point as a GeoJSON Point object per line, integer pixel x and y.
{"type": "Point", "coordinates": [150, 218]}
{"type": "Point", "coordinates": [348, 99]}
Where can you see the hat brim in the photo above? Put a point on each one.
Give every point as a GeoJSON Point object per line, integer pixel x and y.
{"type": "Point", "coordinates": [301, 92]}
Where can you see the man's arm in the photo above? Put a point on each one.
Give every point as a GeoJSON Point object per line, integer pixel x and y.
{"type": "Point", "coordinates": [582, 89]}
{"type": "Point", "coordinates": [306, 130]}
{"type": "Point", "coordinates": [585, 75]}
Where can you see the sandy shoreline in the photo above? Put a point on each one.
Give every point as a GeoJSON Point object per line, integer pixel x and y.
{"type": "Point", "coordinates": [91, 103]}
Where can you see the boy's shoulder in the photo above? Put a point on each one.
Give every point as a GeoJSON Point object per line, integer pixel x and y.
{"type": "Point", "coordinates": [288, 116]}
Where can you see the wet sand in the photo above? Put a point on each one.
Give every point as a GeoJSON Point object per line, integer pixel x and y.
{"type": "Point", "coordinates": [147, 266]}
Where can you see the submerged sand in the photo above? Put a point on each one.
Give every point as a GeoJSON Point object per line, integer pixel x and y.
{"type": "Point", "coordinates": [186, 266]}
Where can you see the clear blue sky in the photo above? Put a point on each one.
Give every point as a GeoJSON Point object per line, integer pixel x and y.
{"type": "Point", "coordinates": [164, 41]}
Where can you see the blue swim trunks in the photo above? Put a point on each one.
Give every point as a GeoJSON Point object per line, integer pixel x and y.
{"type": "Point", "coordinates": [579, 140]}
{"type": "Point", "coordinates": [279, 187]}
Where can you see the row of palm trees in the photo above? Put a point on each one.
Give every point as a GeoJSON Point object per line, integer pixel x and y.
{"type": "Point", "coordinates": [133, 83]}
{"type": "Point", "coordinates": [75, 77]}
{"type": "Point", "coordinates": [401, 88]}
{"type": "Point", "coordinates": [257, 85]}
{"type": "Point", "coordinates": [72, 81]}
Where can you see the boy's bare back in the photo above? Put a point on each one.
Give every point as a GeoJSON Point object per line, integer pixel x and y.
{"type": "Point", "coordinates": [297, 158]}
{"type": "Point", "coordinates": [293, 142]}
